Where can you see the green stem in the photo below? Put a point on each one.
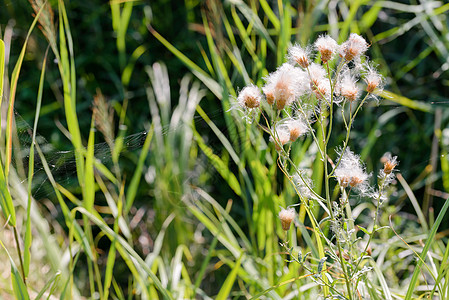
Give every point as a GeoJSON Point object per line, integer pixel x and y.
{"type": "Point", "coordinates": [351, 120]}
{"type": "Point", "coordinates": [22, 269]}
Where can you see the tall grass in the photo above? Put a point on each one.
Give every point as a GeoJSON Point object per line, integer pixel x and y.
{"type": "Point", "coordinates": [193, 213]}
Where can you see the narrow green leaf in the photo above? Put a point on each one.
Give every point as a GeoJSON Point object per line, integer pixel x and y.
{"type": "Point", "coordinates": [254, 19]}
{"type": "Point", "coordinates": [12, 91]}
{"type": "Point", "coordinates": [53, 281]}
{"type": "Point", "coordinates": [364, 230]}
{"type": "Point", "coordinates": [413, 104]}
{"type": "Point", "coordinates": [127, 252]}
{"type": "Point", "coordinates": [79, 235]}
{"type": "Point", "coordinates": [18, 286]}
{"type": "Point", "coordinates": [6, 201]}
{"type": "Point", "coordinates": [28, 236]}
{"type": "Point", "coordinates": [218, 164]}
{"type": "Point", "coordinates": [89, 183]}
{"type": "Point", "coordinates": [430, 240]}
{"type": "Point", "coordinates": [229, 282]}
{"type": "Point", "coordinates": [205, 78]}
{"type": "Point", "coordinates": [134, 185]}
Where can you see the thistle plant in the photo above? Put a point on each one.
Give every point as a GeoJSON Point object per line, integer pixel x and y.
{"type": "Point", "coordinates": [303, 97]}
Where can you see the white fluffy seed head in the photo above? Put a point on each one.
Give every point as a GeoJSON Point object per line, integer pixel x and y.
{"type": "Point", "coordinates": [354, 47]}
{"type": "Point", "coordinates": [284, 86]}
{"type": "Point", "coordinates": [372, 79]}
{"type": "Point", "coordinates": [304, 185]}
{"type": "Point", "coordinates": [316, 74]}
{"type": "Point", "coordinates": [249, 97]}
{"type": "Point", "coordinates": [327, 47]}
{"type": "Point", "coordinates": [287, 216]}
{"type": "Point", "coordinates": [351, 172]}
{"type": "Point", "coordinates": [299, 55]}
{"type": "Point", "coordinates": [297, 128]}
{"type": "Point", "coordinates": [323, 89]}
{"type": "Point", "coordinates": [348, 87]}
{"type": "Point", "coordinates": [280, 137]}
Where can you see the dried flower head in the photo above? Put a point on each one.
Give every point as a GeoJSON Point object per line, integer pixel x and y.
{"type": "Point", "coordinates": [348, 87]}
{"type": "Point", "coordinates": [281, 137]}
{"type": "Point", "coordinates": [299, 55]}
{"type": "Point", "coordinates": [287, 216]}
{"type": "Point", "coordinates": [372, 79]}
{"type": "Point", "coordinates": [351, 172]}
{"type": "Point", "coordinates": [297, 128]}
{"type": "Point", "coordinates": [390, 162]}
{"type": "Point", "coordinates": [249, 97]}
{"type": "Point", "coordinates": [316, 74]}
{"type": "Point", "coordinates": [354, 47]}
{"type": "Point", "coordinates": [323, 89]}
{"type": "Point", "coordinates": [284, 86]}
{"type": "Point", "coordinates": [327, 47]}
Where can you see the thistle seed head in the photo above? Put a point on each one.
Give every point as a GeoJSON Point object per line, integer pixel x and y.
{"type": "Point", "coordinates": [249, 97]}
{"type": "Point", "coordinates": [299, 55]}
{"type": "Point", "coordinates": [287, 216]}
{"type": "Point", "coordinates": [372, 79]}
{"type": "Point", "coordinates": [348, 87]}
{"type": "Point", "coordinates": [284, 86]}
{"type": "Point", "coordinates": [297, 128]}
{"type": "Point", "coordinates": [281, 137]}
{"type": "Point", "coordinates": [354, 47]}
{"type": "Point", "coordinates": [327, 47]}
{"type": "Point", "coordinates": [351, 172]}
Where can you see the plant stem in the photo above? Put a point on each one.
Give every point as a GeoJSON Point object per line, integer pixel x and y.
{"type": "Point", "coordinates": [22, 269]}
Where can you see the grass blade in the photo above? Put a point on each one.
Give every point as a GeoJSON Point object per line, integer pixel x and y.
{"type": "Point", "coordinates": [132, 189]}
{"type": "Point", "coordinates": [28, 238]}
{"type": "Point", "coordinates": [229, 282]}
{"type": "Point", "coordinates": [430, 240]}
{"type": "Point", "coordinates": [19, 288]}
{"type": "Point", "coordinates": [12, 92]}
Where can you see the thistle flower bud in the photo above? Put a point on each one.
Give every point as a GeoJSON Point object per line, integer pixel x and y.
{"type": "Point", "coordinates": [299, 55]}
{"type": "Point", "coordinates": [249, 97]}
{"type": "Point", "coordinates": [353, 47]}
{"type": "Point", "coordinates": [287, 216]}
{"type": "Point", "coordinates": [327, 47]}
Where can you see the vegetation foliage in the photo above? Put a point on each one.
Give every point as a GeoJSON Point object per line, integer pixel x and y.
{"type": "Point", "coordinates": [137, 179]}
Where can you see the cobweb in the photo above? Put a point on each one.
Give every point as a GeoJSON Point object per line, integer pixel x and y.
{"type": "Point", "coordinates": [62, 163]}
